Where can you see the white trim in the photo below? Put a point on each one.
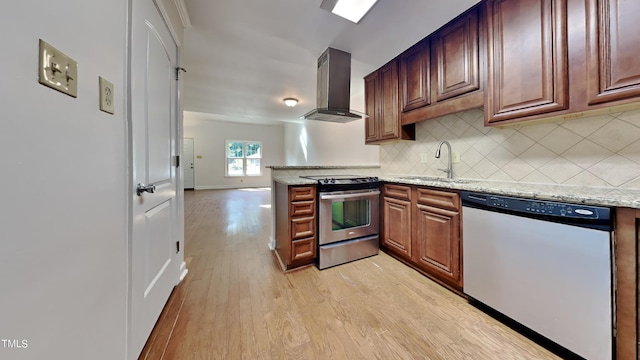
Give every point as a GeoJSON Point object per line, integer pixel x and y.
{"type": "Point", "coordinates": [183, 272]}
{"type": "Point", "coordinates": [224, 187]}
{"type": "Point", "coordinates": [184, 14]}
{"type": "Point", "coordinates": [167, 20]}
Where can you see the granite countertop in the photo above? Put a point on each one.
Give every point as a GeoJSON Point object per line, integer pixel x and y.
{"type": "Point", "coordinates": [323, 167]}
{"type": "Point", "coordinates": [566, 193]}
{"type": "Point", "coordinates": [294, 180]}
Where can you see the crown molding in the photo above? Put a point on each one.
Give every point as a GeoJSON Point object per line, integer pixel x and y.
{"type": "Point", "coordinates": [184, 14]}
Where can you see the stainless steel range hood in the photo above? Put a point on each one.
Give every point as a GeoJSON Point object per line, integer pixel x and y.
{"type": "Point", "coordinates": [333, 88]}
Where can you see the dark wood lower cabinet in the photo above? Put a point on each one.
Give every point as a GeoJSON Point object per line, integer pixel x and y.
{"type": "Point", "coordinates": [436, 245]}
{"type": "Point", "coordinates": [295, 211]}
{"type": "Point", "coordinates": [626, 250]}
{"type": "Point", "coordinates": [397, 226]}
{"type": "Point", "coordinates": [422, 228]}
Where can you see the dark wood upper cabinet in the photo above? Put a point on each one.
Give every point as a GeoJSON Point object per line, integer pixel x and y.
{"type": "Point", "coordinates": [527, 58]}
{"type": "Point", "coordinates": [443, 74]}
{"type": "Point", "coordinates": [415, 73]}
{"type": "Point", "coordinates": [457, 57]}
{"type": "Point", "coordinates": [613, 32]}
{"type": "Point", "coordinates": [382, 106]}
{"type": "Point", "coordinates": [389, 117]}
{"type": "Point", "coordinates": [372, 124]}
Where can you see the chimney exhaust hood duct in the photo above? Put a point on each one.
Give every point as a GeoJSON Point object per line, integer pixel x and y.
{"type": "Point", "coordinates": [333, 88]}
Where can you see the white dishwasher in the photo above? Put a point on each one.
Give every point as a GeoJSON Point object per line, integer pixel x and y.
{"type": "Point", "coordinates": [546, 265]}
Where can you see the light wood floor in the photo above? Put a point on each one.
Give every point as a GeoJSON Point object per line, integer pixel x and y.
{"type": "Point", "coordinates": [236, 303]}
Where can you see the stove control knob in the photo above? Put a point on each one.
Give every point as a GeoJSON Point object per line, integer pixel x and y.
{"type": "Point", "coordinates": [326, 181]}
{"type": "Point", "coordinates": [333, 181]}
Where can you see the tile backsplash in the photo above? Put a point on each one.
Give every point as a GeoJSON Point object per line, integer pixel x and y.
{"type": "Point", "coordinates": [594, 151]}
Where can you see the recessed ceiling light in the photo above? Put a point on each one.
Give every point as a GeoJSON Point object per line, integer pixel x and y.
{"type": "Point", "coordinates": [352, 10]}
{"type": "Point", "coordinates": [290, 102]}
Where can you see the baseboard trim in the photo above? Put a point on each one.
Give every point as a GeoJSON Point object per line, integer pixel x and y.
{"type": "Point", "coordinates": [183, 272]}
{"type": "Point", "coordinates": [225, 187]}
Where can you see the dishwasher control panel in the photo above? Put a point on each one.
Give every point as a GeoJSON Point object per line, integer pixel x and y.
{"type": "Point", "coordinates": [535, 207]}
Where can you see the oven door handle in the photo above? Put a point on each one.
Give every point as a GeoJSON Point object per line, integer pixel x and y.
{"type": "Point", "coordinates": [349, 196]}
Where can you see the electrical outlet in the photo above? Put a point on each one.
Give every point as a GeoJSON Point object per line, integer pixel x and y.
{"type": "Point", "coordinates": [106, 95]}
{"type": "Point", "coordinates": [455, 157]}
{"type": "Point", "coordinates": [57, 70]}
{"type": "Point", "coordinates": [424, 158]}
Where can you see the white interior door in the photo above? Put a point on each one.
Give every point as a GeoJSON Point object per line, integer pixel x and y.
{"type": "Point", "coordinates": [154, 263]}
{"type": "Point", "coordinates": [187, 164]}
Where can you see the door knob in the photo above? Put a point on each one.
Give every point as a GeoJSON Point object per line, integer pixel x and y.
{"type": "Point", "coordinates": [145, 188]}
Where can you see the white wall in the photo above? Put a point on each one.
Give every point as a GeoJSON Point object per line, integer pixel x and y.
{"type": "Point", "coordinates": [209, 143]}
{"type": "Point", "coordinates": [330, 144]}
{"type": "Point", "coordinates": [63, 218]}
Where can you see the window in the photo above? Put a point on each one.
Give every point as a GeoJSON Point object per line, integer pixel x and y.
{"type": "Point", "coordinates": [243, 158]}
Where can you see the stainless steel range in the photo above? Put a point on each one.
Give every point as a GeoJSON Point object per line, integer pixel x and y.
{"type": "Point", "coordinates": [348, 218]}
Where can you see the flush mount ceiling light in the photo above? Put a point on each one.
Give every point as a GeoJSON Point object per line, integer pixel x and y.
{"type": "Point", "coordinates": [290, 102]}
{"type": "Point", "coordinates": [352, 10]}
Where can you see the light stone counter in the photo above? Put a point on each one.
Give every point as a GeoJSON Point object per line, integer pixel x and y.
{"type": "Point", "coordinates": [294, 180]}
{"type": "Point", "coordinates": [565, 193]}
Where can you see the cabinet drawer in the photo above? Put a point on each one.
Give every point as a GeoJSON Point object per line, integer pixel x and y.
{"type": "Point", "coordinates": [302, 193]}
{"type": "Point", "coordinates": [397, 191]}
{"type": "Point", "coordinates": [303, 227]}
{"type": "Point", "coordinates": [303, 249]}
{"type": "Point", "coordinates": [303, 208]}
{"type": "Point", "coordinates": [440, 199]}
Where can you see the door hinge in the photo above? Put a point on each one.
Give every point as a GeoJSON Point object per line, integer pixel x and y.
{"type": "Point", "coordinates": [177, 247]}
{"type": "Point", "coordinates": [177, 160]}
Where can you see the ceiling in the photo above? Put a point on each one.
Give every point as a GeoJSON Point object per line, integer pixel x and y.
{"type": "Point", "coordinates": [244, 56]}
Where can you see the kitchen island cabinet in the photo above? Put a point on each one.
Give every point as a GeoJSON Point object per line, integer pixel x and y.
{"type": "Point", "coordinates": [295, 225]}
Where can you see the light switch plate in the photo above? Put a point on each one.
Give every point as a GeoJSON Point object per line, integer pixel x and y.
{"type": "Point", "coordinates": [57, 70]}
{"type": "Point", "coordinates": [106, 95]}
{"type": "Point", "coordinates": [455, 157]}
{"type": "Point", "coordinates": [424, 158]}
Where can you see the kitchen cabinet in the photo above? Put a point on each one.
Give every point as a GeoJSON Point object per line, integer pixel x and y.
{"type": "Point", "coordinates": [527, 58]}
{"type": "Point", "coordinates": [436, 242]}
{"type": "Point", "coordinates": [415, 73]}
{"type": "Point", "coordinates": [382, 107]}
{"type": "Point", "coordinates": [396, 226]}
{"type": "Point", "coordinates": [530, 59]}
{"type": "Point", "coordinates": [626, 250]}
{"type": "Point", "coordinates": [442, 74]}
{"type": "Point", "coordinates": [421, 227]}
{"type": "Point", "coordinates": [613, 32]}
{"type": "Point", "coordinates": [456, 49]}
{"type": "Point", "coordinates": [295, 225]}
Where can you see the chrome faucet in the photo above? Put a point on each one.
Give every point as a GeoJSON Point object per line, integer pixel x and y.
{"type": "Point", "coordinates": [449, 169]}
